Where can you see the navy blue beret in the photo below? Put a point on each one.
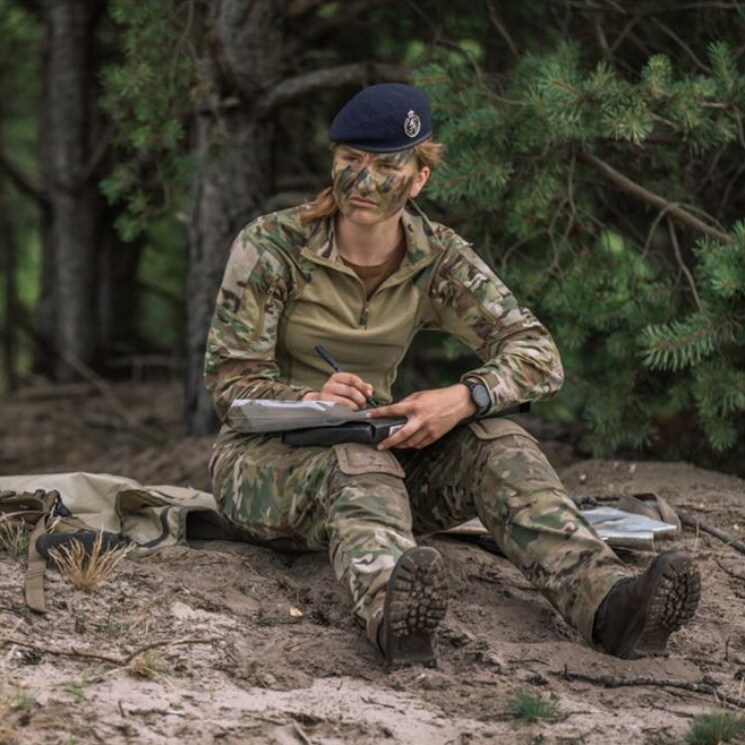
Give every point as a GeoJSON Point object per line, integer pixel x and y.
{"type": "Point", "coordinates": [383, 118]}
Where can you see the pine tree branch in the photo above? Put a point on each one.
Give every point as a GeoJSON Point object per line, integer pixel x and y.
{"type": "Point", "coordinates": [683, 266]}
{"type": "Point", "coordinates": [625, 31]}
{"type": "Point", "coordinates": [669, 32]}
{"type": "Point", "coordinates": [671, 208]}
{"type": "Point", "coordinates": [498, 23]}
{"type": "Point", "coordinates": [602, 39]}
{"type": "Point", "coordinates": [641, 11]}
{"type": "Point", "coordinates": [725, 200]}
{"type": "Point", "coordinates": [22, 182]}
{"type": "Point", "coordinates": [100, 152]}
{"type": "Point", "coordinates": [293, 88]}
{"type": "Point", "coordinates": [348, 12]}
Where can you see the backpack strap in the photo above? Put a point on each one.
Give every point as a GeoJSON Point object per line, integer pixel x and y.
{"type": "Point", "coordinates": [31, 509]}
{"type": "Point", "coordinates": [34, 583]}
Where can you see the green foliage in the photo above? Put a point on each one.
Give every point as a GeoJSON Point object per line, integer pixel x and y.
{"type": "Point", "coordinates": [162, 270]}
{"type": "Point", "coordinates": [533, 708]}
{"type": "Point", "coordinates": [20, 90]}
{"type": "Point", "coordinates": [684, 343]}
{"type": "Point", "coordinates": [147, 94]}
{"type": "Point", "coordinates": [648, 310]}
{"type": "Point", "coordinates": [715, 729]}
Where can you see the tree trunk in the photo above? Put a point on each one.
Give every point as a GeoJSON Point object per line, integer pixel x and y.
{"type": "Point", "coordinates": [244, 53]}
{"type": "Point", "coordinates": [8, 271]}
{"type": "Point", "coordinates": [67, 318]}
{"type": "Point", "coordinates": [117, 301]}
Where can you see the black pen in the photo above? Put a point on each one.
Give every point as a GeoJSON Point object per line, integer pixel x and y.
{"type": "Point", "coordinates": [335, 367]}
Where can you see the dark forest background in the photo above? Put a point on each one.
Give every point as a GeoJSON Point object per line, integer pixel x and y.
{"type": "Point", "coordinates": [595, 159]}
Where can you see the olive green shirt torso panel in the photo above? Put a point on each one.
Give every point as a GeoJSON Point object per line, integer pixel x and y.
{"type": "Point", "coordinates": [366, 336]}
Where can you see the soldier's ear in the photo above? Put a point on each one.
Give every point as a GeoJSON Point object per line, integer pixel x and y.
{"type": "Point", "coordinates": [419, 182]}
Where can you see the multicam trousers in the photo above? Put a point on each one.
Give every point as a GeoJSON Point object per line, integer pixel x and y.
{"type": "Point", "coordinates": [363, 505]}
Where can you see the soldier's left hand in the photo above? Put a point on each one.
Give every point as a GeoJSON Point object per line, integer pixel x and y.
{"type": "Point", "coordinates": [431, 414]}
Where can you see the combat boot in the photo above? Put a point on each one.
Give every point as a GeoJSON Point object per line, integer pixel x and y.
{"type": "Point", "coordinates": [415, 603]}
{"type": "Point", "coordinates": [639, 613]}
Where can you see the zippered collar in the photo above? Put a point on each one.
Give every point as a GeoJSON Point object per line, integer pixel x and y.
{"type": "Point", "coordinates": [422, 245]}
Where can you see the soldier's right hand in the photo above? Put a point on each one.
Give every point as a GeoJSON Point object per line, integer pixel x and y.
{"type": "Point", "coordinates": [344, 388]}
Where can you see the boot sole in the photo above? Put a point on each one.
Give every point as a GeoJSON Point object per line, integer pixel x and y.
{"type": "Point", "coordinates": [415, 602]}
{"type": "Point", "coordinates": [672, 603]}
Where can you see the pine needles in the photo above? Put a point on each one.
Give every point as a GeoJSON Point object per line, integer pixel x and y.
{"type": "Point", "coordinates": [684, 343]}
{"type": "Point", "coordinates": [584, 188]}
{"type": "Point", "coordinates": [87, 569]}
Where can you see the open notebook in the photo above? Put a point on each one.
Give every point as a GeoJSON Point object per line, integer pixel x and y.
{"type": "Point", "coordinates": [255, 415]}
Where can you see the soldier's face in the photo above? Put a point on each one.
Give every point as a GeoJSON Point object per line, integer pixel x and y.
{"type": "Point", "coordinates": [371, 187]}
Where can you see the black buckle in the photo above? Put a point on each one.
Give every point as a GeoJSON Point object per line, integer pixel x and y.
{"type": "Point", "coordinates": [58, 508]}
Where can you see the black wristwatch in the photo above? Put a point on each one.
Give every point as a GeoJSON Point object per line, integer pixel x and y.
{"type": "Point", "coordinates": [479, 395]}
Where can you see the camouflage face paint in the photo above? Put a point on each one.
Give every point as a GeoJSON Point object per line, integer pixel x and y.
{"type": "Point", "coordinates": [372, 184]}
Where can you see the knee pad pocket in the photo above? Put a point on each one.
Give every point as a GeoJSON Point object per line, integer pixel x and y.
{"type": "Point", "coordinates": [496, 427]}
{"type": "Point", "coordinates": [356, 459]}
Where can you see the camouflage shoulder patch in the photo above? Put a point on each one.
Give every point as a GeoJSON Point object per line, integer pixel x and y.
{"type": "Point", "coordinates": [463, 268]}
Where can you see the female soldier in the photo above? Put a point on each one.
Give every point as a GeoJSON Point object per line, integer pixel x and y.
{"type": "Point", "coordinates": [360, 270]}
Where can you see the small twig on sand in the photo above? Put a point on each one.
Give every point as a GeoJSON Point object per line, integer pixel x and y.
{"type": "Point", "coordinates": [610, 681]}
{"type": "Point", "coordinates": [9, 609]}
{"type": "Point", "coordinates": [167, 643]}
{"type": "Point", "coordinates": [727, 570]}
{"type": "Point", "coordinates": [711, 530]}
{"type": "Point", "coordinates": [117, 660]}
{"type": "Point", "coordinates": [301, 733]}
{"type": "Point", "coordinates": [60, 651]}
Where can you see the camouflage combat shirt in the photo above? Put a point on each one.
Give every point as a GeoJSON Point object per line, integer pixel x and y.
{"type": "Point", "coordinates": [286, 289]}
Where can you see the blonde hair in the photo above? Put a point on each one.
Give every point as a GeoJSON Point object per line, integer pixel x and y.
{"type": "Point", "coordinates": [428, 154]}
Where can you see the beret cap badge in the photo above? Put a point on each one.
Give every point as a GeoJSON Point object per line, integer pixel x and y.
{"type": "Point", "coordinates": [412, 124]}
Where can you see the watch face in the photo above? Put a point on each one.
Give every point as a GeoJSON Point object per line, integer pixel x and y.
{"type": "Point", "coordinates": [480, 396]}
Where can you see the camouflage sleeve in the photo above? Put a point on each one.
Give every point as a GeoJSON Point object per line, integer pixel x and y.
{"type": "Point", "coordinates": [520, 359]}
{"type": "Point", "coordinates": [240, 360]}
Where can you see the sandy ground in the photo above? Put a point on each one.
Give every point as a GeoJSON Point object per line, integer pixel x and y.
{"type": "Point", "coordinates": [227, 643]}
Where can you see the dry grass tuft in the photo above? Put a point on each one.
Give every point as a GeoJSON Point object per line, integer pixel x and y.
{"type": "Point", "coordinates": [149, 666]}
{"type": "Point", "coordinates": [87, 570]}
{"type": "Point", "coordinates": [13, 536]}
